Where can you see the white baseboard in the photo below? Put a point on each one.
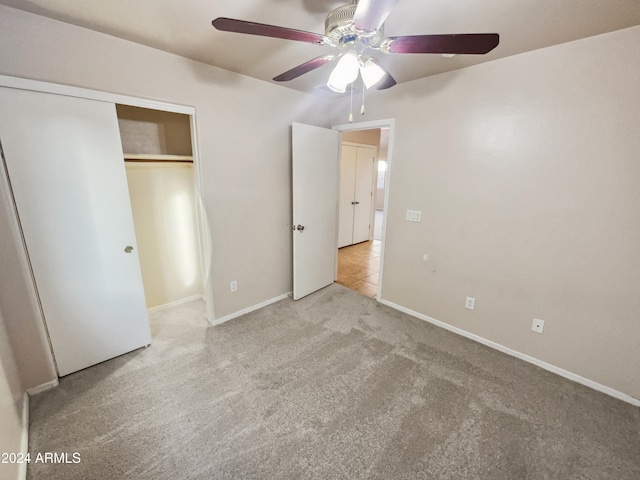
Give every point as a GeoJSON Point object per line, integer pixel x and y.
{"type": "Point", "coordinates": [547, 366]}
{"type": "Point", "coordinates": [24, 441]}
{"type": "Point", "coordinates": [244, 311]}
{"type": "Point", "coordinates": [174, 304]}
{"type": "Point", "coordinates": [43, 388]}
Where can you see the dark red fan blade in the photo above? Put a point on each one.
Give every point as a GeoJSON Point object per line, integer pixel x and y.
{"type": "Point", "coordinates": [387, 82]}
{"type": "Point", "coordinates": [371, 14]}
{"type": "Point", "coordinates": [464, 43]}
{"type": "Point", "coordinates": [301, 69]}
{"type": "Point", "coordinates": [252, 28]}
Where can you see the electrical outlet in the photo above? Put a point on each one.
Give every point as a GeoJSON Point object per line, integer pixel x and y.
{"type": "Point", "coordinates": [233, 286]}
{"type": "Point", "coordinates": [537, 325]}
{"type": "Point", "coordinates": [470, 303]}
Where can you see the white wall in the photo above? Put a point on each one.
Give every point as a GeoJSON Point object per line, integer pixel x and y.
{"type": "Point", "coordinates": [243, 126]}
{"type": "Point", "coordinates": [526, 170]}
{"type": "Point", "coordinates": [162, 202]}
{"type": "Point", "coordinates": [11, 406]}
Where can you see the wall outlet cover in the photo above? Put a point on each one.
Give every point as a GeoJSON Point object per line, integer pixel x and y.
{"type": "Point", "coordinates": [538, 325]}
{"type": "Point", "coordinates": [233, 286]}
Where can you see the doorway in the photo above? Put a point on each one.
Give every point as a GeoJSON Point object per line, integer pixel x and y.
{"type": "Point", "coordinates": [360, 244]}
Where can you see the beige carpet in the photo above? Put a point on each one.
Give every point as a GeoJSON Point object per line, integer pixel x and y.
{"type": "Point", "coordinates": [334, 386]}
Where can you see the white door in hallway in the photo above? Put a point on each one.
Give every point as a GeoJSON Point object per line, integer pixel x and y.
{"type": "Point", "coordinates": [315, 192]}
{"type": "Point", "coordinates": [66, 168]}
{"type": "Point", "coordinates": [348, 162]}
{"type": "Point", "coordinates": [357, 165]}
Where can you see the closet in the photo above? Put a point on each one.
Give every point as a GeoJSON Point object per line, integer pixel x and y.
{"type": "Point", "coordinates": [63, 161]}
{"type": "Point", "coordinates": [158, 158]}
{"type": "Point", "coordinates": [356, 208]}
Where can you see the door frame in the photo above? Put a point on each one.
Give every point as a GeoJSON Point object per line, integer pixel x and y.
{"type": "Point", "coordinates": [389, 123]}
{"type": "Point", "coordinates": [201, 221]}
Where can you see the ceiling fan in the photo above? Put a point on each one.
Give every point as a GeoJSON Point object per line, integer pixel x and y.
{"type": "Point", "coordinates": [356, 30]}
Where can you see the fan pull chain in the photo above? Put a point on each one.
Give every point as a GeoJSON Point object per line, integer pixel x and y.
{"type": "Point", "coordinates": [351, 106]}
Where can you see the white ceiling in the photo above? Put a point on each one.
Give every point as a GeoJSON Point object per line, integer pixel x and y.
{"type": "Point", "coordinates": [184, 28]}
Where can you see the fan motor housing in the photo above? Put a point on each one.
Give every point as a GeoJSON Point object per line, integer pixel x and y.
{"type": "Point", "coordinates": [339, 24]}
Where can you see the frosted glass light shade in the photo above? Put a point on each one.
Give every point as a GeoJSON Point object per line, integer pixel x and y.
{"type": "Point", "coordinates": [345, 72]}
{"type": "Point", "coordinates": [371, 73]}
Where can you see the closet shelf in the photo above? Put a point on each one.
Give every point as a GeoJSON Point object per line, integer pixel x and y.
{"type": "Point", "coordinates": [150, 157]}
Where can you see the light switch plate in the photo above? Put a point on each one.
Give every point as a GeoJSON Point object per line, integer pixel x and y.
{"type": "Point", "coordinates": [470, 303]}
{"type": "Point", "coordinates": [413, 216]}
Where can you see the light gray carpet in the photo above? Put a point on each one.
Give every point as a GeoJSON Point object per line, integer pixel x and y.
{"type": "Point", "coordinates": [334, 386]}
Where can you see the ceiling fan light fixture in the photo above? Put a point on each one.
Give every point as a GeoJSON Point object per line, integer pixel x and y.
{"type": "Point", "coordinates": [344, 73]}
{"type": "Point", "coordinates": [337, 88]}
{"type": "Point", "coordinates": [355, 29]}
{"type": "Point", "coordinates": [371, 73]}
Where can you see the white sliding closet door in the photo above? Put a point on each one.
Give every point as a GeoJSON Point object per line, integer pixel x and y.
{"type": "Point", "coordinates": [65, 164]}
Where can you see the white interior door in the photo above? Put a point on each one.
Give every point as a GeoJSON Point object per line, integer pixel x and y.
{"type": "Point", "coordinates": [348, 158]}
{"type": "Point", "coordinates": [315, 193]}
{"type": "Point", "coordinates": [357, 165]}
{"type": "Point", "coordinates": [66, 168]}
{"type": "Point", "coordinates": [363, 197]}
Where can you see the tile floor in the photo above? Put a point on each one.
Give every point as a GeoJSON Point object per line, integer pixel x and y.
{"type": "Point", "coordinates": [358, 267]}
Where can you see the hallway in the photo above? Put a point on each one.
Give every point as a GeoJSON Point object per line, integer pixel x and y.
{"type": "Point", "coordinates": [358, 267]}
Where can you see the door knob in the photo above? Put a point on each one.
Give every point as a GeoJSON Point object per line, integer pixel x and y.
{"type": "Point", "coordinates": [128, 249]}
{"type": "Point", "coordinates": [300, 228]}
